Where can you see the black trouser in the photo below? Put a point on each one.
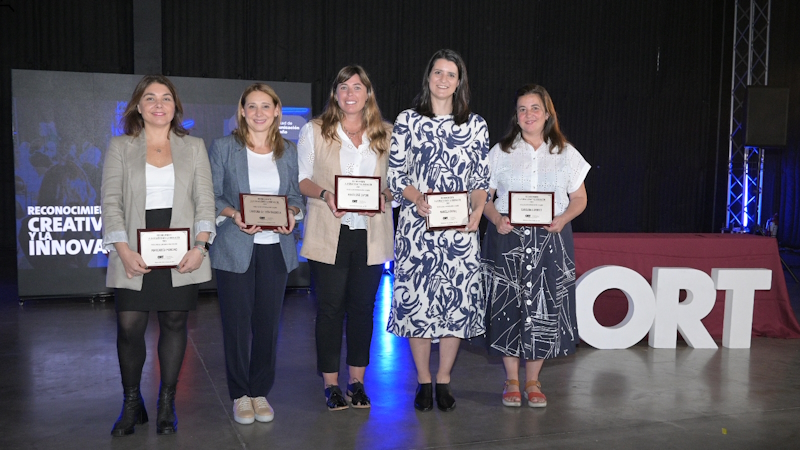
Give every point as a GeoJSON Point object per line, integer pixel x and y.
{"type": "Point", "coordinates": [346, 287]}
{"type": "Point", "coordinates": [250, 305]}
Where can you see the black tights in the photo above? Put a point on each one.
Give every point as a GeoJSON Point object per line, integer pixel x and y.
{"type": "Point", "coordinates": [132, 349]}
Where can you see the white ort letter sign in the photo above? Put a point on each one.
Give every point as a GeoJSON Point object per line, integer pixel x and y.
{"type": "Point", "coordinates": [657, 310]}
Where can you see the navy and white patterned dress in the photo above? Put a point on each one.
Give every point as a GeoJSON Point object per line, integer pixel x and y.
{"type": "Point", "coordinates": [530, 273]}
{"type": "Point", "coordinates": [437, 289]}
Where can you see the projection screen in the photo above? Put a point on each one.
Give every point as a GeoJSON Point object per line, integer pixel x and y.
{"type": "Point", "coordinates": [62, 123]}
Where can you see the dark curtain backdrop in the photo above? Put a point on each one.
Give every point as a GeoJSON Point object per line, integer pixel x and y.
{"type": "Point", "coordinates": [784, 71]}
{"type": "Point", "coordinates": [636, 84]}
{"type": "Point", "coordinates": [642, 88]}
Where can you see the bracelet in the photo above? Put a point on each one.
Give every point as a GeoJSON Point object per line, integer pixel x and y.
{"type": "Point", "coordinates": [322, 194]}
{"type": "Point", "coordinates": [386, 199]}
{"type": "Point", "coordinates": [233, 215]}
{"type": "Point", "coordinates": [202, 249]}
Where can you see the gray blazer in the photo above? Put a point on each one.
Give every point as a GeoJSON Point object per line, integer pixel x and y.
{"type": "Point", "coordinates": [124, 192]}
{"type": "Point", "coordinates": [233, 248]}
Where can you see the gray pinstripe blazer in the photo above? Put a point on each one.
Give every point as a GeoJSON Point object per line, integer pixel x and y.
{"type": "Point", "coordinates": [232, 248]}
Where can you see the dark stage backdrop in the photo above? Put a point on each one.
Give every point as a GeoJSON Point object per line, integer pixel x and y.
{"type": "Point", "coordinates": [636, 84]}
{"type": "Point", "coordinates": [784, 163]}
{"type": "Point", "coordinates": [642, 88]}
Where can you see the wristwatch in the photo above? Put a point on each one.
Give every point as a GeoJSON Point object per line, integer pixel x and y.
{"type": "Point", "coordinates": [202, 246]}
{"type": "Point", "coordinates": [322, 194]}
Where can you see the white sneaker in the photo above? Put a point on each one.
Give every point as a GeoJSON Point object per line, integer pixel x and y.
{"type": "Point", "coordinates": [264, 412]}
{"type": "Point", "coordinates": [243, 412]}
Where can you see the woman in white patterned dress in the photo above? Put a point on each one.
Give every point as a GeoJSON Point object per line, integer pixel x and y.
{"type": "Point", "coordinates": [438, 146]}
{"type": "Point", "coordinates": [530, 271]}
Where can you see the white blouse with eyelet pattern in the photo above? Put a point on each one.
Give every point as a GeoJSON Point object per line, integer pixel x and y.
{"type": "Point", "coordinates": [529, 169]}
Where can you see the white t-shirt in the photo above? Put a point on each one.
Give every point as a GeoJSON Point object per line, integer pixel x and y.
{"type": "Point", "coordinates": [264, 179]}
{"type": "Point", "coordinates": [529, 169]}
{"type": "Point", "coordinates": [160, 182]}
{"type": "Point", "coordinates": [356, 161]}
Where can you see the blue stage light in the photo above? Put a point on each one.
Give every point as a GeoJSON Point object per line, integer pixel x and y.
{"type": "Point", "coordinates": [116, 128]}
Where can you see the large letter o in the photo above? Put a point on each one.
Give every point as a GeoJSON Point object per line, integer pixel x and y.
{"type": "Point", "coordinates": [641, 307]}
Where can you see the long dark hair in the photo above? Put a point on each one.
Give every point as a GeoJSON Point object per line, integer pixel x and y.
{"type": "Point", "coordinates": [371, 118]}
{"type": "Point", "coordinates": [242, 133]}
{"type": "Point", "coordinates": [422, 102]}
{"type": "Point", "coordinates": [551, 131]}
{"type": "Point", "coordinates": [132, 121]}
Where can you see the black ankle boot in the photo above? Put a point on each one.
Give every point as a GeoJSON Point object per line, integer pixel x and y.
{"type": "Point", "coordinates": [166, 421]}
{"type": "Point", "coordinates": [133, 412]}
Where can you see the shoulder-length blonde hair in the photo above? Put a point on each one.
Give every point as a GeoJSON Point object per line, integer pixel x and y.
{"type": "Point", "coordinates": [132, 121]}
{"type": "Point", "coordinates": [242, 134]}
{"type": "Point", "coordinates": [371, 119]}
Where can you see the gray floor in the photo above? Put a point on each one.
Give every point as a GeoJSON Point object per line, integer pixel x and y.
{"type": "Point", "coordinates": [60, 388]}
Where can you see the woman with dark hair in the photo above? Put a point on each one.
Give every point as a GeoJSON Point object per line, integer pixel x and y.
{"type": "Point", "coordinates": [155, 176]}
{"type": "Point", "coordinates": [253, 264]}
{"type": "Point", "coordinates": [346, 250]}
{"type": "Point", "coordinates": [532, 295]}
{"type": "Point", "coordinates": [438, 146]}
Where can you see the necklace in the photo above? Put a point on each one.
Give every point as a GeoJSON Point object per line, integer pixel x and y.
{"type": "Point", "coordinates": [159, 148]}
{"type": "Point", "coordinates": [352, 133]}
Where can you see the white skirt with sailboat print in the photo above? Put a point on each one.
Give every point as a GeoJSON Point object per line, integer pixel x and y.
{"type": "Point", "coordinates": [530, 278]}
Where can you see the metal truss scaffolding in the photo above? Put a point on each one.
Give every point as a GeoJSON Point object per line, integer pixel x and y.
{"type": "Point", "coordinates": [750, 67]}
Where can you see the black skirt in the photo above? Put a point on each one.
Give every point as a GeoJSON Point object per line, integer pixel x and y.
{"type": "Point", "coordinates": [530, 278]}
{"type": "Point", "coordinates": [157, 293]}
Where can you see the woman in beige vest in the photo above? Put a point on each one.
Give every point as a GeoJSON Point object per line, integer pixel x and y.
{"type": "Point", "coordinates": [346, 250]}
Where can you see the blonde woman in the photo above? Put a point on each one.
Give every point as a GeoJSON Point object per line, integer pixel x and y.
{"type": "Point", "coordinates": [346, 251]}
{"type": "Point", "coordinates": [252, 265]}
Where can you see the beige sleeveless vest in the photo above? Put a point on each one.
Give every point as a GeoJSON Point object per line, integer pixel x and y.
{"type": "Point", "coordinates": [322, 228]}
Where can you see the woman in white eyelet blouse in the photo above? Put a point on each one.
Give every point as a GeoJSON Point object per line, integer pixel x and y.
{"type": "Point", "coordinates": [529, 271]}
